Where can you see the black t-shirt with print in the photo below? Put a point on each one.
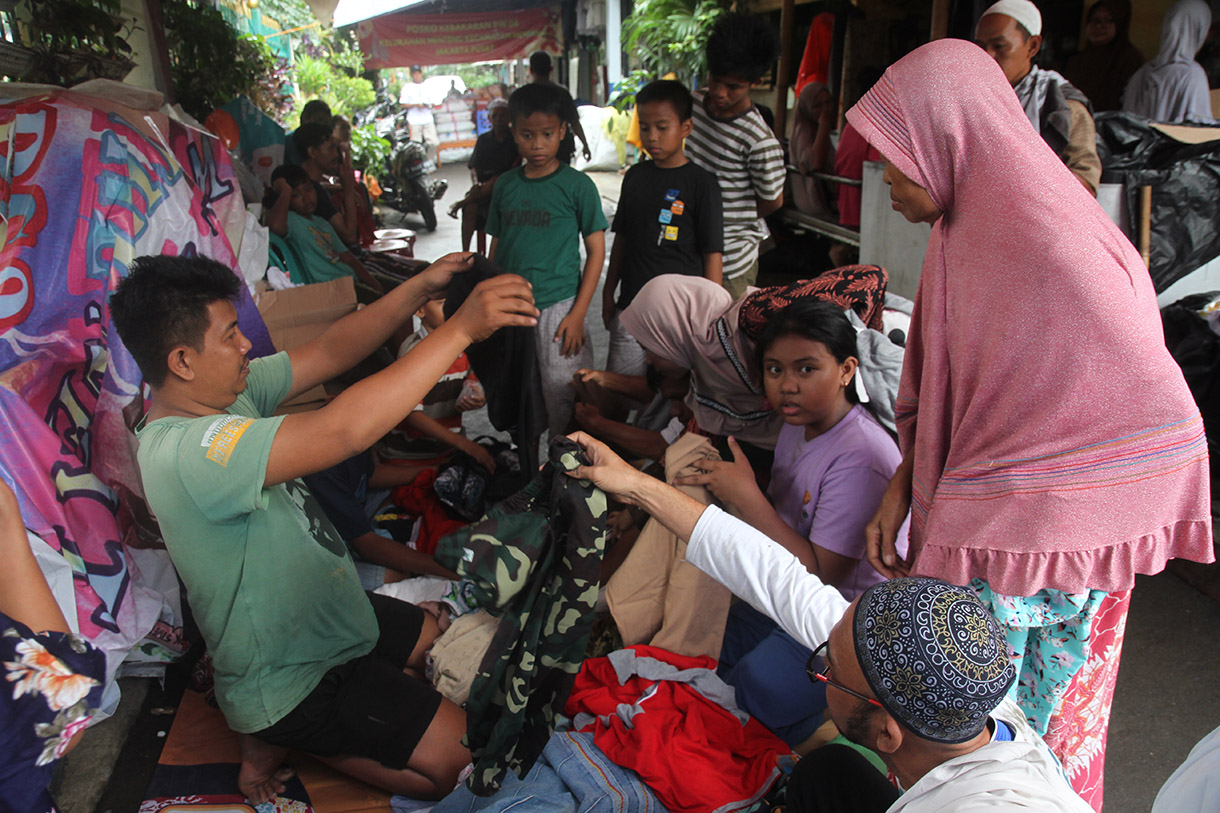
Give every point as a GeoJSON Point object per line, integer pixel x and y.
{"type": "Point", "coordinates": [667, 219]}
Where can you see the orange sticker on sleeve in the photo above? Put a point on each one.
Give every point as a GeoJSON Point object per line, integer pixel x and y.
{"type": "Point", "coordinates": [221, 437]}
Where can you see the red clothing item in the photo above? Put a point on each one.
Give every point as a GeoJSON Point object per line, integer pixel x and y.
{"type": "Point", "coordinates": [815, 62]}
{"type": "Point", "coordinates": [420, 500]}
{"type": "Point", "coordinates": [850, 156]}
{"type": "Point", "coordinates": [694, 753]}
{"type": "Point", "coordinates": [365, 225]}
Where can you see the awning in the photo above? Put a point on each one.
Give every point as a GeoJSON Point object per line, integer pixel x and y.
{"type": "Point", "coordinates": [399, 39]}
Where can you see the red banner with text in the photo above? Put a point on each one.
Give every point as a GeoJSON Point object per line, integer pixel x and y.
{"type": "Point", "coordinates": [398, 40]}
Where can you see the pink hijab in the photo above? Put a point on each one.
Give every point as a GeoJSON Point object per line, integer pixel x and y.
{"type": "Point", "coordinates": [1055, 443]}
{"type": "Point", "coordinates": [692, 322]}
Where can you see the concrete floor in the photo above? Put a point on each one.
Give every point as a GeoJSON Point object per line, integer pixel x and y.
{"type": "Point", "coordinates": [1165, 702]}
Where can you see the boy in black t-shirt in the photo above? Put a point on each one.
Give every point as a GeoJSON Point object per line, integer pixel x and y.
{"type": "Point", "coordinates": [670, 217]}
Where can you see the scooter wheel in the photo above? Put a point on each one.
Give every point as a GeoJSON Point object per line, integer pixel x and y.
{"type": "Point", "coordinates": [428, 209]}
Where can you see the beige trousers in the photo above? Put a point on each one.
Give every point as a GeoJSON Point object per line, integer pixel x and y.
{"type": "Point", "coordinates": [656, 596]}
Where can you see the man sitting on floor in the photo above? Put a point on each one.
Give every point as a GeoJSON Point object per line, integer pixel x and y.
{"type": "Point", "coordinates": [302, 657]}
{"type": "Point", "coordinates": [916, 670]}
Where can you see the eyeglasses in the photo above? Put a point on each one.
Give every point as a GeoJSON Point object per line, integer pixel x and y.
{"type": "Point", "coordinates": [817, 671]}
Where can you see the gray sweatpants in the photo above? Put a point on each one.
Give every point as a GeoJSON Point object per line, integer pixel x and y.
{"type": "Point", "coordinates": [557, 371]}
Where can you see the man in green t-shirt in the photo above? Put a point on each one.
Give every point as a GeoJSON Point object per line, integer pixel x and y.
{"type": "Point", "coordinates": [302, 657]}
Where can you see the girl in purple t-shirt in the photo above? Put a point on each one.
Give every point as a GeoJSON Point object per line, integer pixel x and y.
{"type": "Point", "coordinates": [833, 461]}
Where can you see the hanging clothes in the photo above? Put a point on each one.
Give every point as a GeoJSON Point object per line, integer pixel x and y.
{"type": "Point", "coordinates": [815, 61]}
{"type": "Point", "coordinates": [535, 562]}
{"type": "Point", "coordinates": [675, 723]}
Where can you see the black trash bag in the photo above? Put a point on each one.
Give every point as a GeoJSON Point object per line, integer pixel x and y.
{"type": "Point", "coordinates": [1185, 181]}
{"type": "Point", "coordinates": [1196, 349]}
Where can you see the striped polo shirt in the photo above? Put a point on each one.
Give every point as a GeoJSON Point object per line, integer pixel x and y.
{"type": "Point", "coordinates": [747, 160]}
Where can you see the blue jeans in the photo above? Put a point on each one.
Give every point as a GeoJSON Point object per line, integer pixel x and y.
{"type": "Point", "coordinates": [572, 775]}
{"type": "Point", "coordinates": [767, 668]}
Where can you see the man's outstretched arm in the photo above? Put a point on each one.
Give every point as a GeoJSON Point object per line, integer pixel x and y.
{"type": "Point", "coordinates": [311, 441]}
{"type": "Point", "coordinates": [743, 559]}
{"type": "Point", "coordinates": [354, 337]}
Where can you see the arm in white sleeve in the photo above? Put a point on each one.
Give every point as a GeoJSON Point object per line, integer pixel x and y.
{"type": "Point", "coordinates": [764, 574]}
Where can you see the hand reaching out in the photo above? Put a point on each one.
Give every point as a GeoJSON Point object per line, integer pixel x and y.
{"type": "Point", "coordinates": [608, 471]}
{"type": "Point", "coordinates": [730, 482]}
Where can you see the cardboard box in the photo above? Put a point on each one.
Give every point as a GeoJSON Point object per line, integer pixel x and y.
{"type": "Point", "coordinates": [295, 316]}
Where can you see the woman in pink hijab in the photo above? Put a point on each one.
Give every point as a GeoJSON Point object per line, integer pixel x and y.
{"type": "Point", "coordinates": [1051, 449]}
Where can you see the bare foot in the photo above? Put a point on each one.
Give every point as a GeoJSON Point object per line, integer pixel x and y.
{"type": "Point", "coordinates": [453, 210]}
{"type": "Point", "coordinates": [263, 773]}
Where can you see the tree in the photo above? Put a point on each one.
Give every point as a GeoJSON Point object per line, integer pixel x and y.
{"type": "Point", "coordinates": [671, 35]}
{"type": "Point", "coordinates": [288, 13]}
{"type": "Point", "coordinates": [209, 61]}
{"type": "Point", "coordinates": [328, 68]}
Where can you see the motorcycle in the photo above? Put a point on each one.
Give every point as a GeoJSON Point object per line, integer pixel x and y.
{"type": "Point", "coordinates": [405, 182]}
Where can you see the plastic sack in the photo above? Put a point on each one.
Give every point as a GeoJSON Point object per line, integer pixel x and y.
{"type": "Point", "coordinates": [1185, 181]}
{"type": "Point", "coordinates": [601, 145]}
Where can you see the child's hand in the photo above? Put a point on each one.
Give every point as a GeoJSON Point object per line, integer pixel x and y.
{"type": "Point", "coordinates": [588, 416]}
{"type": "Point", "coordinates": [572, 333]}
{"type": "Point", "coordinates": [281, 187]}
{"type": "Point", "coordinates": [472, 396]}
{"type": "Point", "coordinates": [728, 482]}
{"type": "Point", "coordinates": [480, 455]}
{"type": "Point", "coordinates": [609, 311]}
{"type": "Point", "coordinates": [506, 300]}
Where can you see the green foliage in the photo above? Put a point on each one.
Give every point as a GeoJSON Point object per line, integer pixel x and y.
{"type": "Point", "coordinates": [329, 70]}
{"type": "Point", "coordinates": [622, 98]}
{"type": "Point", "coordinates": [671, 35]}
{"type": "Point", "coordinates": [288, 13]}
{"type": "Point", "coordinates": [210, 62]}
{"type": "Point", "coordinates": [74, 40]}
{"type": "Point", "coordinates": [369, 150]}
{"type": "Point", "coordinates": [392, 83]}
{"type": "Point", "coordinates": [473, 75]}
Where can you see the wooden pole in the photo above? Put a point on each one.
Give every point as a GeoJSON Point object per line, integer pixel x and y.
{"type": "Point", "coordinates": [160, 47]}
{"type": "Point", "coordinates": [786, 19]}
{"type": "Point", "coordinates": [940, 19]}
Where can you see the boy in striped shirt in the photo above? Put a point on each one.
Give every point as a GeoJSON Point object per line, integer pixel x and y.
{"type": "Point", "coordinates": [731, 140]}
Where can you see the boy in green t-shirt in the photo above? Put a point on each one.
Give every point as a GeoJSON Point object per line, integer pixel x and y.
{"type": "Point", "coordinates": [293, 200]}
{"type": "Point", "coordinates": [302, 657]}
{"type": "Point", "coordinates": [538, 212]}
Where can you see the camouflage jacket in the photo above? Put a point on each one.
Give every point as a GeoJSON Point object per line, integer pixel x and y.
{"type": "Point", "coordinates": [534, 561]}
